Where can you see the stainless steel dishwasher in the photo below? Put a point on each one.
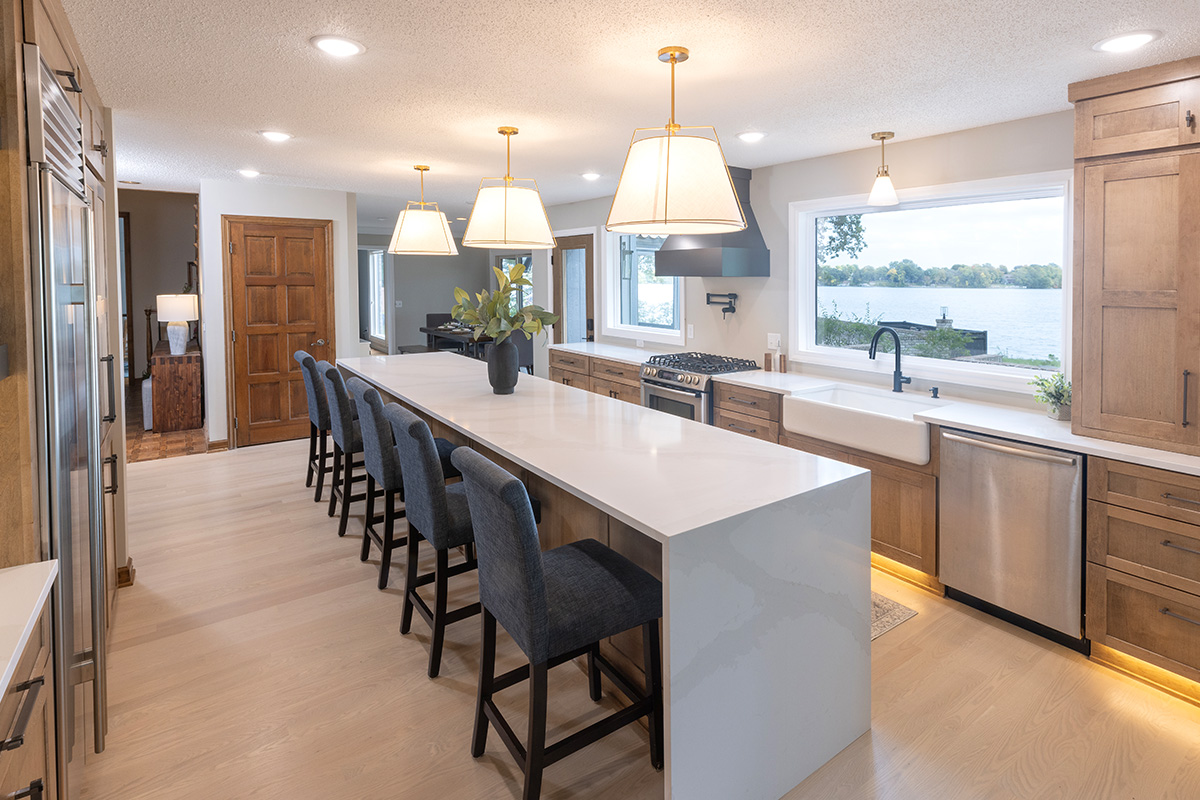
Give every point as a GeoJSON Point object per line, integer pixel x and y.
{"type": "Point", "coordinates": [1010, 527]}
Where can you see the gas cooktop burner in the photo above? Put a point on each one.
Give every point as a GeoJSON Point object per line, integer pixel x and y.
{"type": "Point", "coordinates": [703, 363]}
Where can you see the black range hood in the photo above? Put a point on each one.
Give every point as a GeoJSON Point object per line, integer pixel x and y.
{"type": "Point", "coordinates": [719, 255]}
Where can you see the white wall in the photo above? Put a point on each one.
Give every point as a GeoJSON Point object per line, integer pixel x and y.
{"type": "Point", "coordinates": [1036, 144]}
{"type": "Point", "coordinates": [248, 198]}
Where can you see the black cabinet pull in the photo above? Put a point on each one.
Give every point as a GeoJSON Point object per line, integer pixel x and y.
{"type": "Point", "coordinates": [112, 462]}
{"type": "Point", "coordinates": [33, 791]}
{"type": "Point", "coordinates": [1172, 545]}
{"type": "Point", "coordinates": [111, 416]}
{"type": "Point", "coordinates": [31, 688]}
{"type": "Point", "coordinates": [734, 399]}
{"type": "Point", "coordinates": [1187, 373]}
{"type": "Point", "coordinates": [1178, 499]}
{"type": "Point", "coordinates": [1168, 612]}
{"type": "Point", "coordinates": [737, 427]}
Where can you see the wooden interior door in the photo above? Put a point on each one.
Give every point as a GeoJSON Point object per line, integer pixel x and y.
{"type": "Point", "coordinates": [280, 300]}
{"type": "Point", "coordinates": [1139, 374]}
{"type": "Point", "coordinates": [573, 301]}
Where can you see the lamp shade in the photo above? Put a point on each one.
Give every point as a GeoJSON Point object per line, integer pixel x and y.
{"type": "Point", "coordinates": [422, 232]}
{"type": "Point", "coordinates": [508, 213]}
{"type": "Point", "coordinates": [675, 183]}
{"type": "Point", "coordinates": [883, 193]}
{"type": "Point", "coordinates": [178, 308]}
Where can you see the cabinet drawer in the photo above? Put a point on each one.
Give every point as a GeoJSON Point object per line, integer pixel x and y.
{"type": "Point", "coordinates": [757, 427]}
{"type": "Point", "coordinates": [620, 391]}
{"type": "Point", "coordinates": [1142, 119]}
{"type": "Point", "coordinates": [616, 371]}
{"type": "Point", "coordinates": [1157, 549]}
{"type": "Point", "coordinates": [1154, 491]}
{"type": "Point", "coordinates": [569, 361]}
{"type": "Point", "coordinates": [568, 378]}
{"type": "Point", "coordinates": [1155, 623]}
{"type": "Point", "coordinates": [755, 402]}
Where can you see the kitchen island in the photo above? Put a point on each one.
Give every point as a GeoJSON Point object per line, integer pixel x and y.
{"type": "Point", "coordinates": [764, 554]}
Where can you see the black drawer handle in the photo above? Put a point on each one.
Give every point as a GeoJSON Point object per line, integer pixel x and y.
{"type": "Point", "coordinates": [737, 427]}
{"type": "Point", "coordinates": [1169, 496]}
{"type": "Point", "coordinates": [734, 399]}
{"type": "Point", "coordinates": [1172, 614]}
{"type": "Point", "coordinates": [112, 462]}
{"type": "Point", "coordinates": [1187, 373]}
{"type": "Point", "coordinates": [33, 791]}
{"type": "Point", "coordinates": [614, 372]}
{"type": "Point", "coordinates": [31, 688]}
{"type": "Point", "coordinates": [1172, 545]}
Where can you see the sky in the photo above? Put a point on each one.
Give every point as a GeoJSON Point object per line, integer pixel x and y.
{"type": "Point", "coordinates": [1008, 232]}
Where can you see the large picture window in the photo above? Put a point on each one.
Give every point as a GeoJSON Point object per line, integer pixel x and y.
{"type": "Point", "coordinates": [647, 300]}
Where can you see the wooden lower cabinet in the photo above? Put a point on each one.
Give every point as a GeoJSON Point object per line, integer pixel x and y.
{"type": "Point", "coordinates": [756, 427]}
{"type": "Point", "coordinates": [903, 501]}
{"type": "Point", "coordinates": [568, 378]}
{"type": "Point", "coordinates": [178, 383]}
{"type": "Point", "coordinates": [34, 759]}
{"type": "Point", "coordinates": [630, 393]}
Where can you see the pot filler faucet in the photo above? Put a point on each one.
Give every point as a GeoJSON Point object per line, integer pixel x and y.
{"type": "Point", "coordinates": [898, 379]}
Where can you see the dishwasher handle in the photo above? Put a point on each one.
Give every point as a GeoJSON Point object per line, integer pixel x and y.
{"type": "Point", "coordinates": [1020, 452]}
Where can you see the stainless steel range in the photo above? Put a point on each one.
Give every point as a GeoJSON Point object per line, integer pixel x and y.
{"type": "Point", "coordinates": [681, 383]}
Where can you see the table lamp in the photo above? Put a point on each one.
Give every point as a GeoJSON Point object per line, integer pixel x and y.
{"type": "Point", "coordinates": [177, 310]}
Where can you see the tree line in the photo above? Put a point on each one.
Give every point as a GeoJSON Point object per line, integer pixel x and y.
{"type": "Point", "coordinates": [959, 276]}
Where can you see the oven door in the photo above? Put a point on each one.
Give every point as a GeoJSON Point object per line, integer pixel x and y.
{"type": "Point", "coordinates": [687, 403]}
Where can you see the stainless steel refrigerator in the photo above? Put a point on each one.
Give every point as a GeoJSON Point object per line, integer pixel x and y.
{"type": "Point", "coordinates": [67, 379]}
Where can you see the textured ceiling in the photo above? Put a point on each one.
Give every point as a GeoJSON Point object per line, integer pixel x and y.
{"type": "Point", "coordinates": [191, 82]}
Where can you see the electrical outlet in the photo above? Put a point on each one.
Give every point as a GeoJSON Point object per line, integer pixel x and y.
{"type": "Point", "coordinates": [691, 331]}
{"type": "Point", "coordinates": [639, 343]}
{"type": "Point", "coordinates": [773, 341]}
{"type": "Point", "coordinates": [399, 304]}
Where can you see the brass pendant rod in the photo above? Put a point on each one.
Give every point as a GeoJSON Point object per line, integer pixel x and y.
{"type": "Point", "coordinates": [508, 159]}
{"type": "Point", "coordinates": [422, 173]}
{"type": "Point", "coordinates": [671, 125]}
{"type": "Point", "coordinates": [882, 153]}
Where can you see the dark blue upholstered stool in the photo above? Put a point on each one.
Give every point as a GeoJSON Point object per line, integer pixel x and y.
{"type": "Point", "coordinates": [557, 606]}
{"type": "Point", "coordinates": [347, 443]}
{"type": "Point", "coordinates": [318, 420]}
{"type": "Point", "coordinates": [437, 513]}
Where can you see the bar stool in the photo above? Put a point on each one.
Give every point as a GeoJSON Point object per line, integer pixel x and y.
{"type": "Point", "coordinates": [318, 420]}
{"type": "Point", "coordinates": [439, 514]}
{"type": "Point", "coordinates": [557, 605]}
{"type": "Point", "coordinates": [347, 442]}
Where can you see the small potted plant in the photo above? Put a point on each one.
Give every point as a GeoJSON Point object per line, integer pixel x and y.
{"type": "Point", "coordinates": [1055, 392]}
{"type": "Point", "coordinates": [491, 314]}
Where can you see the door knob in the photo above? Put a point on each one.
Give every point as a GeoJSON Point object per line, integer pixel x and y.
{"type": "Point", "coordinates": [318, 343]}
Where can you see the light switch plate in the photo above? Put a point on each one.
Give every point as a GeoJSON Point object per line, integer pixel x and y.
{"type": "Point", "coordinates": [639, 343]}
{"type": "Point", "coordinates": [399, 304]}
{"type": "Point", "coordinates": [773, 341]}
{"type": "Point", "coordinates": [691, 331]}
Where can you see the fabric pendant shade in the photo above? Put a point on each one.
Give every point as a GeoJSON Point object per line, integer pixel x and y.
{"type": "Point", "coordinates": [422, 229]}
{"type": "Point", "coordinates": [508, 212]}
{"type": "Point", "coordinates": [675, 179]}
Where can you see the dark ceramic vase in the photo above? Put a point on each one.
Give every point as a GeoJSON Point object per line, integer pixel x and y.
{"type": "Point", "coordinates": [503, 367]}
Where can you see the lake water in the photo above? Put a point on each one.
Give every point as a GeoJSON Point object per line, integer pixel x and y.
{"type": "Point", "coordinates": [1022, 323]}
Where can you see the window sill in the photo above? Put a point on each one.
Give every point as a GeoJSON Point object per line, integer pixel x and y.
{"type": "Point", "coordinates": [1000, 379]}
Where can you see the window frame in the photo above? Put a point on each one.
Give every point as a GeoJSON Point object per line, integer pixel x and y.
{"type": "Point", "coordinates": [610, 301]}
{"type": "Point", "coordinates": [802, 283]}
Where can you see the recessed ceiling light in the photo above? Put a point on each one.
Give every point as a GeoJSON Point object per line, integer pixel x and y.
{"type": "Point", "coordinates": [590, 176]}
{"type": "Point", "coordinates": [131, 183]}
{"type": "Point", "coordinates": [460, 219]}
{"type": "Point", "coordinates": [750, 137]}
{"type": "Point", "coordinates": [275, 136]}
{"type": "Point", "coordinates": [1126, 42]}
{"type": "Point", "coordinates": [337, 46]}
{"type": "Point", "coordinates": [248, 173]}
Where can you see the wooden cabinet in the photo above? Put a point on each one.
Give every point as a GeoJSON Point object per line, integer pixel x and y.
{"type": "Point", "coordinates": [751, 412]}
{"type": "Point", "coordinates": [619, 380]}
{"type": "Point", "coordinates": [95, 142]}
{"type": "Point", "coordinates": [629, 392]}
{"type": "Point", "coordinates": [571, 362]}
{"type": "Point", "coordinates": [178, 385]}
{"type": "Point", "coordinates": [903, 501]}
{"type": "Point", "coordinates": [745, 424]}
{"type": "Point", "coordinates": [1137, 270]}
{"type": "Point", "coordinates": [567, 378]}
{"type": "Point", "coordinates": [1143, 577]}
{"type": "Point", "coordinates": [27, 720]}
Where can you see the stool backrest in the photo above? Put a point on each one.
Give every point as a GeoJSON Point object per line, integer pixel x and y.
{"type": "Point", "coordinates": [314, 389]}
{"type": "Point", "coordinates": [512, 585]}
{"type": "Point", "coordinates": [424, 482]}
{"type": "Point", "coordinates": [379, 452]}
{"type": "Point", "coordinates": [341, 417]}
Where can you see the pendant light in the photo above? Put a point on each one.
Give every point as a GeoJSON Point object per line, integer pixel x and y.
{"type": "Point", "coordinates": [675, 179]}
{"type": "Point", "coordinates": [883, 193]}
{"type": "Point", "coordinates": [508, 211]}
{"type": "Point", "coordinates": [421, 230]}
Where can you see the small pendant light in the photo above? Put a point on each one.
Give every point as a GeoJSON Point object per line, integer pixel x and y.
{"type": "Point", "coordinates": [508, 211]}
{"type": "Point", "coordinates": [883, 193]}
{"type": "Point", "coordinates": [420, 230]}
{"type": "Point", "coordinates": [675, 179]}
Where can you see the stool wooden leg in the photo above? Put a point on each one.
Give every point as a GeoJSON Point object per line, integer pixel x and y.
{"type": "Point", "coordinates": [410, 578]}
{"type": "Point", "coordinates": [440, 590]}
{"type": "Point", "coordinates": [650, 644]}
{"type": "Point", "coordinates": [487, 672]}
{"type": "Point", "coordinates": [337, 474]}
{"type": "Point", "coordinates": [594, 672]}
{"type": "Point", "coordinates": [312, 453]}
{"type": "Point", "coordinates": [347, 491]}
{"type": "Point", "coordinates": [535, 746]}
{"type": "Point", "coordinates": [385, 545]}
{"type": "Point", "coordinates": [322, 457]}
{"type": "Point", "coordinates": [366, 545]}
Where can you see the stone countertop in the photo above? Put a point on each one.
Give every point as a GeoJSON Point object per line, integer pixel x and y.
{"type": "Point", "coordinates": [23, 593]}
{"type": "Point", "coordinates": [659, 473]}
{"type": "Point", "coordinates": [613, 352]}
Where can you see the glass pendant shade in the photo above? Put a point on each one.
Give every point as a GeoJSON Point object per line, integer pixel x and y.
{"type": "Point", "coordinates": [508, 213]}
{"type": "Point", "coordinates": [883, 193]}
{"type": "Point", "coordinates": [422, 231]}
{"type": "Point", "coordinates": [675, 183]}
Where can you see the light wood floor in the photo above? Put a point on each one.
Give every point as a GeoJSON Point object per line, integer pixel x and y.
{"type": "Point", "coordinates": [255, 658]}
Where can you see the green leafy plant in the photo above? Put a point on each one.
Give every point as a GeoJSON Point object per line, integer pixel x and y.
{"type": "Point", "coordinates": [1053, 391]}
{"type": "Point", "coordinates": [490, 313]}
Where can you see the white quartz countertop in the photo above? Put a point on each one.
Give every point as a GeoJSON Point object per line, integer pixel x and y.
{"type": "Point", "coordinates": [23, 593]}
{"type": "Point", "coordinates": [613, 352]}
{"type": "Point", "coordinates": [656, 472]}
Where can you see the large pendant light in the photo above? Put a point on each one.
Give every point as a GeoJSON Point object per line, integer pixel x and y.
{"type": "Point", "coordinates": [421, 230]}
{"type": "Point", "coordinates": [508, 211]}
{"type": "Point", "coordinates": [883, 193]}
{"type": "Point", "coordinates": [675, 179]}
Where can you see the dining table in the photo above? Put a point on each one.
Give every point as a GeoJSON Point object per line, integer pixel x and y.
{"type": "Point", "coordinates": [463, 338]}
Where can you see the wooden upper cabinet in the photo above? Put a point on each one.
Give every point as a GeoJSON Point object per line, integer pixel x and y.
{"type": "Point", "coordinates": [1147, 109]}
{"type": "Point", "coordinates": [1139, 349]}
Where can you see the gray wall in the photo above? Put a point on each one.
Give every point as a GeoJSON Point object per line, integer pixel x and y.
{"type": "Point", "coordinates": [162, 239]}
